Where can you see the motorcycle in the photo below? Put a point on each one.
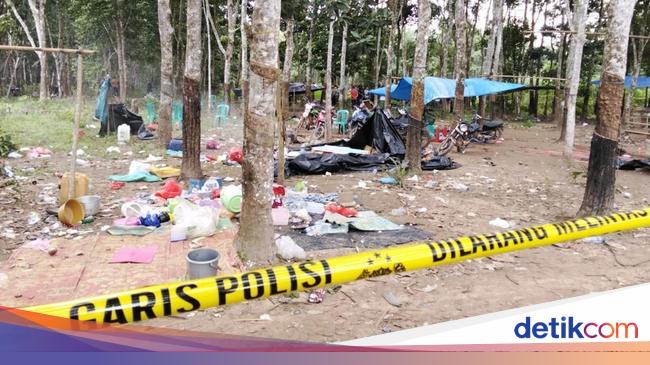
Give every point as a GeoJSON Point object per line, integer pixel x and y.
{"type": "Point", "coordinates": [357, 120]}
{"type": "Point", "coordinates": [402, 122]}
{"type": "Point", "coordinates": [459, 137]}
{"type": "Point", "coordinates": [488, 131]}
{"type": "Point", "coordinates": [310, 115]}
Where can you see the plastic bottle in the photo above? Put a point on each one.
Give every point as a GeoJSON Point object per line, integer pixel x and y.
{"type": "Point", "coordinates": [123, 133]}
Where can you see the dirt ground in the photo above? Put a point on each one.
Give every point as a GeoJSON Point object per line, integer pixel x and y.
{"type": "Point", "coordinates": [522, 180]}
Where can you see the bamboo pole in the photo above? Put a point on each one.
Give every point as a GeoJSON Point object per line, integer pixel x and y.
{"type": "Point", "coordinates": [524, 76]}
{"type": "Point", "coordinates": [43, 49]}
{"type": "Point", "coordinates": [75, 129]}
{"type": "Point", "coordinates": [559, 31]}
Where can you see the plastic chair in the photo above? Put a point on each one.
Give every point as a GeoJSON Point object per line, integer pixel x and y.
{"type": "Point", "coordinates": [222, 114]}
{"type": "Point", "coordinates": [213, 102]}
{"type": "Point", "coordinates": [152, 114]}
{"type": "Point", "coordinates": [342, 120]}
{"type": "Point", "coordinates": [177, 112]}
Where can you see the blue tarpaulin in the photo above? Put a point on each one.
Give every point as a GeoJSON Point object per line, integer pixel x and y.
{"type": "Point", "coordinates": [381, 91]}
{"type": "Point", "coordinates": [101, 108]}
{"type": "Point", "coordinates": [436, 88]}
{"type": "Point", "coordinates": [641, 82]}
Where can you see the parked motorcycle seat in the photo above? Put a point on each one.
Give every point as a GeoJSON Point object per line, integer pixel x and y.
{"type": "Point", "coordinates": [493, 123]}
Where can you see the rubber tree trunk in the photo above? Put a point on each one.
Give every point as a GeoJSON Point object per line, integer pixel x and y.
{"type": "Point", "coordinates": [308, 76]}
{"type": "Point", "coordinates": [255, 238]}
{"type": "Point", "coordinates": [459, 65]}
{"type": "Point", "coordinates": [378, 57]}
{"type": "Point", "coordinates": [328, 83]}
{"type": "Point", "coordinates": [166, 70]}
{"type": "Point", "coordinates": [491, 58]}
{"type": "Point", "coordinates": [283, 98]}
{"type": "Point", "coordinates": [344, 46]}
{"type": "Point", "coordinates": [413, 146]}
{"type": "Point", "coordinates": [243, 76]}
{"type": "Point", "coordinates": [444, 60]}
{"type": "Point", "coordinates": [601, 175]}
{"type": "Point", "coordinates": [390, 60]}
{"type": "Point", "coordinates": [191, 165]}
{"type": "Point", "coordinates": [573, 74]}
{"type": "Point", "coordinates": [638, 47]}
{"type": "Point", "coordinates": [558, 99]}
{"type": "Point", "coordinates": [286, 68]}
{"type": "Point", "coordinates": [37, 8]}
{"type": "Point", "coordinates": [231, 14]}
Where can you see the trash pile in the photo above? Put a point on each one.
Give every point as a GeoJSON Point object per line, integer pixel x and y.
{"type": "Point", "coordinates": [316, 215]}
{"type": "Point", "coordinates": [199, 209]}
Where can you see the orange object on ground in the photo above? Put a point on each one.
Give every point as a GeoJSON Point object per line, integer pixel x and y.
{"type": "Point", "coordinates": [171, 189]}
{"type": "Point", "coordinates": [346, 212]}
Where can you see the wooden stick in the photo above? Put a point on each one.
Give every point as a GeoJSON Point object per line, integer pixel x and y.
{"type": "Point", "coordinates": [75, 129]}
{"type": "Point", "coordinates": [524, 76]}
{"type": "Point", "coordinates": [550, 31]}
{"type": "Point", "coordinates": [41, 49]}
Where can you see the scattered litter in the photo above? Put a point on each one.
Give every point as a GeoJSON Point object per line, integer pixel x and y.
{"type": "Point", "coordinates": [171, 189]}
{"type": "Point", "coordinates": [316, 296]}
{"type": "Point", "coordinates": [130, 230]}
{"type": "Point", "coordinates": [413, 178]}
{"type": "Point", "coordinates": [14, 155]}
{"type": "Point", "coordinates": [288, 249]}
{"type": "Point", "coordinates": [627, 195]}
{"type": "Point", "coordinates": [388, 180]}
{"type": "Point", "coordinates": [321, 228]}
{"type": "Point", "coordinates": [165, 172]}
{"type": "Point", "coordinates": [116, 185]}
{"type": "Point", "coordinates": [392, 299]}
{"type": "Point", "coordinates": [280, 216]}
{"type": "Point", "coordinates": [346, 212]}
{"type": "Point", "coordinates": [501, 223]}
{"type": "Point", "coordinates": [430, 184]}
{"type": "Point", "coordinates": [595, 240]}
{"type": "Point", "coordinates": [265, 317]}
{"type": "Point", "coordinates": [212, 145]}
{"type": "Point", "coordinates": [459, 186]}
{"type": "Point", "coordinates": [38, 244]}
{"type": "Point", "coordinates": [39, 152]}
{"type": "Point", "coordinates": [362, 184]}
{"type": "Point", "coordinates": [4, 279]}
{"type": "Point", "coordinates": [33, 218]}
{"type": "Point", "coordinates": [427, 289]}
{"type": "Point", "coordinates": [140, 176]}
{"type": "Point", "coordinates": [137, 167]}
{"type": "Point", "coordinates": [136, 255]}
{"type": "Point", "coordinates": [152, 158]}
{"type": "Point", "coordinates": [315, 208]}
{"type": "Point", "coordinates": [370, 221]}
{"type": "Point", "coordinates": [303, 215]}
{"type": "Point", "coordinates": [112, 149]}
{"type": "Point", "coordinates": [398, 212]}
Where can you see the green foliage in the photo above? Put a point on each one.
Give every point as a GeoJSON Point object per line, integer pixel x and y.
{"type": "Point", "coordinates": [6, 144]}
{"type": "Point", "coordinates": [399, 172]}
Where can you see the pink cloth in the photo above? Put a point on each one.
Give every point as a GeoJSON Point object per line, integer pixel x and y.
{"type": "Point", "coordinates": [137, 255]}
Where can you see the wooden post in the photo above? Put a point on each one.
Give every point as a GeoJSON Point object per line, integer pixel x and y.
{"type": "Point", "coordinates": [75, 128]}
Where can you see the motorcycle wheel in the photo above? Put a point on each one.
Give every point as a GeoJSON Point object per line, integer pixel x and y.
{"type": "Point", "coordinates": [444, 147]}
{"type": "Point", "coordinates": [319, 132]}
{"type": "Point", "coordinates": [460, 146]}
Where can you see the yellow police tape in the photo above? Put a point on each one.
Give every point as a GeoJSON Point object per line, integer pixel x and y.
{"type": "Point", "coordinates": [184, 296]}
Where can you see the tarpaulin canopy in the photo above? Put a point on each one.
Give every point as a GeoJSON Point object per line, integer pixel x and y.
{"type": "Point", "coordinates": [641, 82]}
{"type": "Point", "coordinates": [436, 88]}
{"type": "Point", "coordinates": [381, 91]}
